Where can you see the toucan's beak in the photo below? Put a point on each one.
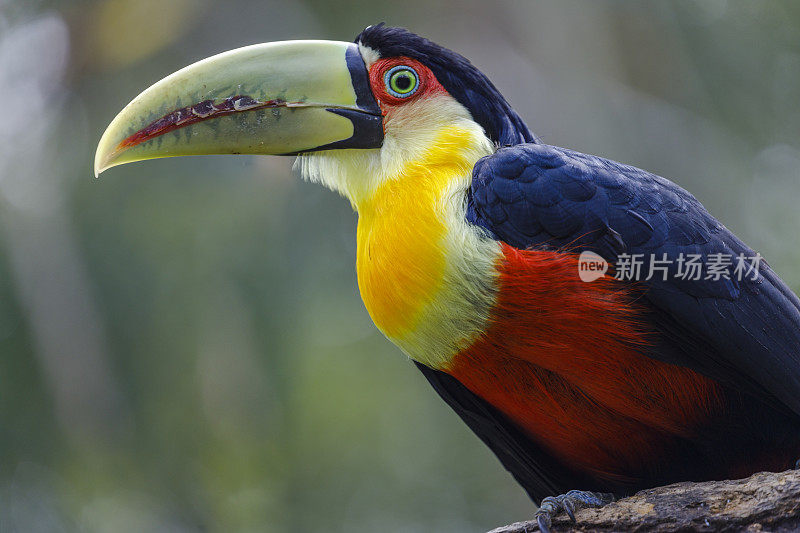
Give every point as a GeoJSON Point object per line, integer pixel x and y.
{"type": "Point", "coordinates": [277, 98]}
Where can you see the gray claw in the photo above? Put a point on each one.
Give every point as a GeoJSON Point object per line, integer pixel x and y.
{"type": "Point", "coordinates": [543, 520]}
{"type": "Point", "coordinates": [570, 502]}
{"type": "Point", "coordinates": [570, 509]}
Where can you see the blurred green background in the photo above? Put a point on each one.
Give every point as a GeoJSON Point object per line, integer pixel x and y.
{"type": "Point", "coordinates": [182, 344]}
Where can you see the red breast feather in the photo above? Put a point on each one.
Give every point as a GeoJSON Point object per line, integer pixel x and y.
{"type": "Point", "coordinates": [563, 358]}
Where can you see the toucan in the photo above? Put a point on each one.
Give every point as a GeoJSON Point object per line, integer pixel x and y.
{"type": "Point", "coordinates": [591, 322]}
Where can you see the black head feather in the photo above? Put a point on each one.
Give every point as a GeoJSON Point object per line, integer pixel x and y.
{"type": "Point", "coordinates": [458, 76]}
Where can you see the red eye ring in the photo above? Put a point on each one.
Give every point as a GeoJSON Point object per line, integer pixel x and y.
{"type": "Point", "coordinates": [426, 81]}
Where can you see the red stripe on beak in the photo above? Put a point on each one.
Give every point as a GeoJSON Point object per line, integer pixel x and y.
{"type": "Point", "coordinates": [199, 112]}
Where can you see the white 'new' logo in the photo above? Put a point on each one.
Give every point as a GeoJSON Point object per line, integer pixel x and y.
{"type": "Point", "coordinates": [591, 266]}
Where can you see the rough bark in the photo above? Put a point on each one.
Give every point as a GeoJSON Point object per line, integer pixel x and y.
{"type": "Point", "coordinates": [763, 502]}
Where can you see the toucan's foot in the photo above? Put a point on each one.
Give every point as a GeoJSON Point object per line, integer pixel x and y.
{"type": "Point", "coordinates": [570, 502]}
{"type": "Point", "coordinates": [797, 465]}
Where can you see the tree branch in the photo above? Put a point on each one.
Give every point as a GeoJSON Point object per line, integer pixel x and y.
{"type": "Point", "coordinates": [763, 502]}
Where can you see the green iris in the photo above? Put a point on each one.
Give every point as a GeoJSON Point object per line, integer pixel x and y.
{"type": "Point", "coordinates": [401, 81]}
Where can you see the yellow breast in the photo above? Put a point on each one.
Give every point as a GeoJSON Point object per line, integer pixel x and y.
{"type": "Point", "coordinates": [402, 257]}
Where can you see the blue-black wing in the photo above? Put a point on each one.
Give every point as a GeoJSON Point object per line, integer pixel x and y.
{"type": "Point", "coordinates": [742, 332]}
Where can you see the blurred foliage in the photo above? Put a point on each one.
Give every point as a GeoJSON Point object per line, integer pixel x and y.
{"type": "Point", "coordinates": [183, 344]}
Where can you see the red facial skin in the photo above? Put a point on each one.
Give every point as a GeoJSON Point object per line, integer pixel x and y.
{"type": "Point", "coordinates": [428, 84]}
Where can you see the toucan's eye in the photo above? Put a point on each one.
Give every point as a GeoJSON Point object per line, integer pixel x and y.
{"type": "Point", "coordinates": [401, 81]}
